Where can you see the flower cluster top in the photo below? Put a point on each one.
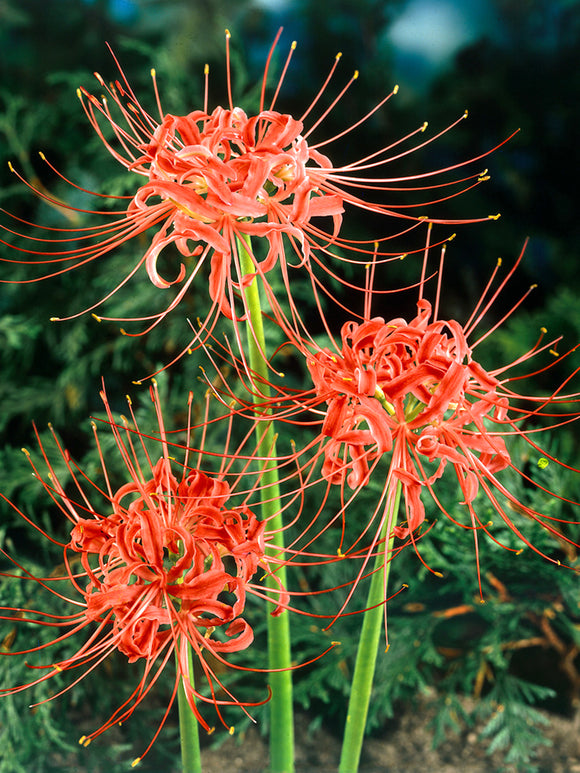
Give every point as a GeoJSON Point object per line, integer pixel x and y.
{"type": "Point", "coordinates": [411, 388]}
{"type": "Point", "coordinates": [171, 556]}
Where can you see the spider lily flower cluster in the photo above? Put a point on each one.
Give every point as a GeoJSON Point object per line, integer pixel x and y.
{"type": "Point", "coordinates": [162, 564]}
{"type": "Point", "coordinates": [414, 393]}
{"type": "Point", "coordinates": [213, 178]}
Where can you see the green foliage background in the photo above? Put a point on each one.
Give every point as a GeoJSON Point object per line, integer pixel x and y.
{"type": "Point", "coordinates": [444, 643]}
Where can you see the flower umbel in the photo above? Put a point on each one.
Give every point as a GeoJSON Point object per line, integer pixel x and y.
{"type": "Point", "coordinates": [414, 390]}
{"type": "Point", "coordinates": [164, 565]}
{"type": "Point", "coordinates": [412, 395]}
{"type": "Point", "coordinates": [215, 177]}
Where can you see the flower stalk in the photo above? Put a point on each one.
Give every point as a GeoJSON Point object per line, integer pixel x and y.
{"type": "Point", "coordinates": [279, 653]}
{"type": "Point", "coordinates": [364, 670]}
{"type": "Point", "coordinates": [188, 725]}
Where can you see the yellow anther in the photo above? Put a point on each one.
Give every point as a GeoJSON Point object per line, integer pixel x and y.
{"type": "Point", "coordinates": [25, 451]}
{"type": "Point", "coordinates": [137, 383]}
{"type": "Point", "coordinates": [554, 352]}
{"type": "Point", "coordinates": [80, 94]}
{"type": "Point", "coordinates": [232, 730]}
{"type": "Point", "coordinates": [387, 648]}
{"type": "Point", "coordinates": [336, 643]}
{"type": "Point", "coordinates": [122, 331]}
{"type": "Point", "coordinates": [494, 217]}
{"type": "Point", "coordinates": [206, 69]}
{"type": "Point", "coordinates": [55, 319]}
{"type": "Point", "coordinates": [451, 237]}
{"type": "Point", "coordinates": [425, 125]}
{"type": "Point", "coordinates": [543, 330]}
{"type": "Point", "coordinates": [82, 739]}
{"type": "Point", "coordinates": [437, 574]}
{"type": "Point", "coordinates": [533, 287]}
{"type": "Point", "coordinates": [293, 46]}
{"type": "Point", "coordinates": [519, 552]}
{"type": "Point", "coordinates": [338, 56]}
{"type": "Point", "coordinates": [135, 762]}
{"type": "Point", "coordinates": [94, 316]}
{"type": "Point", "coordinates": [86, 742]}
{"type": "Point", "coordinates": [355, 75]}
{"type": "Point", "coordinates": [465, 114]}
{"type": "Point", "coordinates": [129, 400]}
{"type": "Point", "coordinates": [499, 262]}
{"type": "Point", "coordinates": [396, 89]}
{"type": "Point", "coordinates": [228, 34]}
{"type": "Point", "coordinates": [153, 73]}
{"type": "Point", "coordinates": [483, 178]}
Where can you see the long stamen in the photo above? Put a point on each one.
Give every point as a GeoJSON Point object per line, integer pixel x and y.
{"type": "Point", "coordinates": [425, 258]}
{"type": "Point", "coordinates": [332, 105]}
{"type": "Point", "coordinates": [473, 323]}
{"type": "Point", "coordinates": [369, 283]}
{"type": "Point", "coordinates": [157, 97]}
{"type": "Point", "coordinates": [205, 88]}
{"type": "Point", "coordinates": [267, 67]}
{"type": "Point", "coordinates": [439, 280]}
{"type": "Point", "coordinates": [323, 87]}
{"type": "Point", "coordinates": [228, 70]}
{"type": "Point", "coordinates": [283, 74]}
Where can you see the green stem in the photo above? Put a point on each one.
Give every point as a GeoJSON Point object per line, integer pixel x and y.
{"type": "Point", "coordinates": [366, 658]}
{"type": "Point", "coordinates": [279, 655]}
{"type": "Point", "coordinates": [188, 727]}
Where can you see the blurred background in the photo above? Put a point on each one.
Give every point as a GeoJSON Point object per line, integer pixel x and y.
{"type": "Point", "coordinates": [513, 64]}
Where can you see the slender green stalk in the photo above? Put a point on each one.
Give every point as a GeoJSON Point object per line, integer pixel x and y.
{"type": "Point", "coordinates": [366, 658]}
{"type": "Point", "coordinates": [279, 656]}
{"type": "Point", "coordinates": [188, 728]}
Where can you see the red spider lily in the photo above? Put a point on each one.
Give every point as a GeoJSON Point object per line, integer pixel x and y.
{"type": "Point", "coordinates": [163, 564]}
{"type": "Point", "coordinates": [411, 394]}
{"type": "Point", "coordinates": [214, 178]}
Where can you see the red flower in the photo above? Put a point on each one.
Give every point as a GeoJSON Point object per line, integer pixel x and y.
{"type": "Point", "coordinates": [412, 389]}
{"type": "Point", "coordinates": [213, 178]}
{"type": "Point", "coordinates": [411, 394]}
{"type": "Point", "coordinates": [164, 564]}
